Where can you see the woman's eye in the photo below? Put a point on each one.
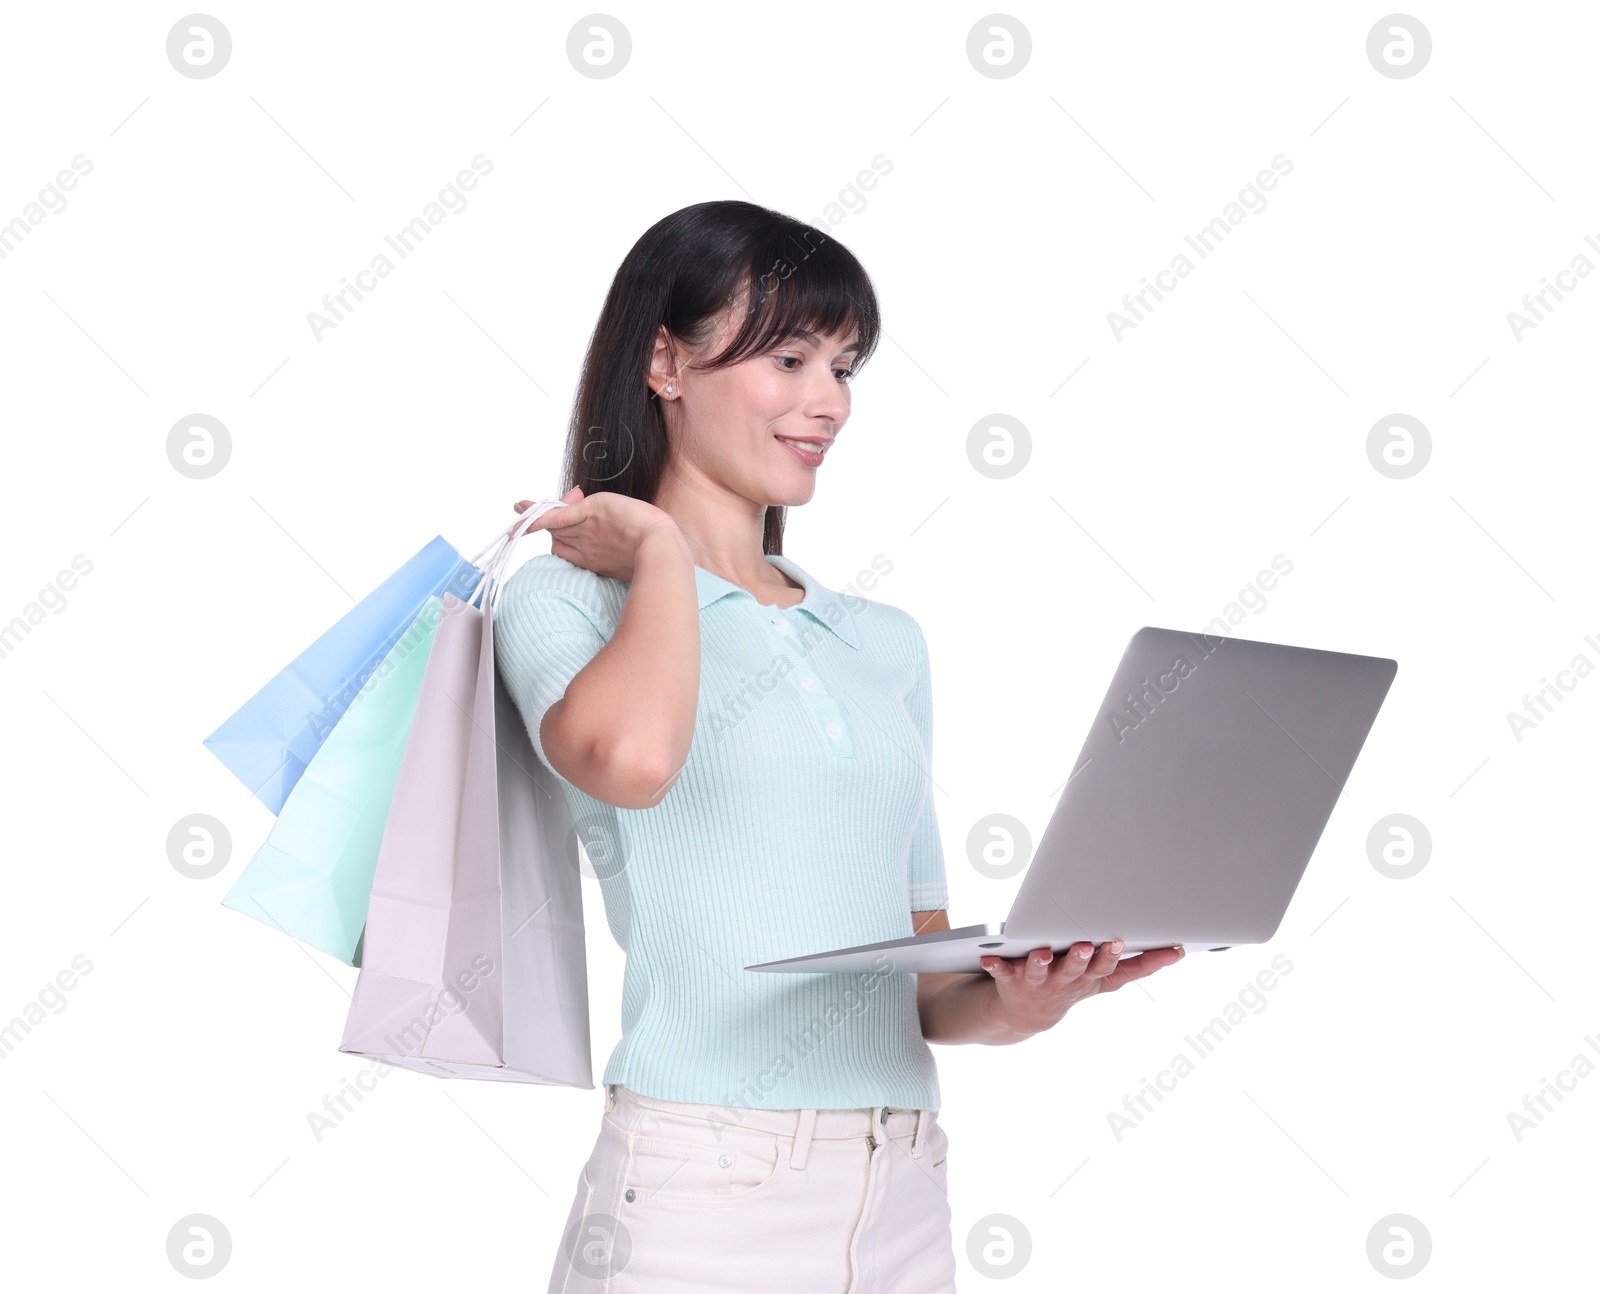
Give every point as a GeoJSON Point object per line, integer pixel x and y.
{"type": "Point", "coordinates": [840, 374]}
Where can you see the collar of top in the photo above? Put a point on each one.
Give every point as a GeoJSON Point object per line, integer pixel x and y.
{"type": "Point", "coordinates": [821, 603]}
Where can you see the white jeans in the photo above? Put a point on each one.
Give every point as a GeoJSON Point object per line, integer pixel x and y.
{"type": "Point", "coordinates": [681, 1198]}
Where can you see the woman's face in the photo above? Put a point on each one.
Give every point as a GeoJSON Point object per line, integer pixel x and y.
{"type": "Point", "coordinates": [738, 426]}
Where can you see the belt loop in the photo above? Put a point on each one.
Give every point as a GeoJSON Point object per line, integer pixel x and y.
{"type": "Point", "coordinates": [802, 1138]}
{"type": "Point", "coordinates": [917, 1138]}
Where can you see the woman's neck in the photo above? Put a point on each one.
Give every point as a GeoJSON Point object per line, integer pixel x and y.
{"type": "Point", "coordinates": [725, 534]}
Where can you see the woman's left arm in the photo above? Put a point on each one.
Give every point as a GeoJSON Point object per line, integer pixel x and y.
{"type": "Point", "coordinates": [1017, 997]}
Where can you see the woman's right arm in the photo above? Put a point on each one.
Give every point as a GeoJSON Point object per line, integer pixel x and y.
{"type": "Point", "coordinates": [622, 731]}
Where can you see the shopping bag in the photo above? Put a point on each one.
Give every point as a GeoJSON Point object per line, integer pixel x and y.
{"type": "Point", "coordinates": [269, 740]}
{"type": "Point", "coordinates": [313, 875]}
{"type": "Point", "coordinates": [473, 961]}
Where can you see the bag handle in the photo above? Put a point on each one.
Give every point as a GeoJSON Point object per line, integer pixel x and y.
{"type": "Point", "coordinates": [541, 506]}
{"type": "Point", "coordinates": [503, 544]}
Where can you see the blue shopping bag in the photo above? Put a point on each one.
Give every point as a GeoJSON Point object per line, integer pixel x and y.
{"type": "Point", "coordinates": [269, 740]}
{"type": "Point", "coordinates": [312, 877]}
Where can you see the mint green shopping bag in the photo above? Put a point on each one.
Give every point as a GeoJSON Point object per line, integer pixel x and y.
{"type": "Point", "coordinates": [313, 876]}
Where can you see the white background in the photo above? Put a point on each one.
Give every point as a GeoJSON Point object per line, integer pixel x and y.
{"type": "Point", "coordinates": [1226, 428]}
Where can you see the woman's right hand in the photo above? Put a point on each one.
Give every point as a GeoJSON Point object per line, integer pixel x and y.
{"type": "Point", "coordinates": [601, 532]}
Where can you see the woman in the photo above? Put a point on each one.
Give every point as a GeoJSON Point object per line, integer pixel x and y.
{"type": "Point", "coordinates": [746, 755]}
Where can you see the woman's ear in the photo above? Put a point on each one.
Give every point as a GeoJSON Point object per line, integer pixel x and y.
{"type": "Point", "coordinates": [664, 366]}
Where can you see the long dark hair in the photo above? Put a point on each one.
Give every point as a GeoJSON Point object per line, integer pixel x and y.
{"type": "Point", "coordinates": [683, 272]}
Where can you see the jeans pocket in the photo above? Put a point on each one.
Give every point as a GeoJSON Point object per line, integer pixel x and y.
{"type": "Point", "coordinates": [665, 1170]}
{"type": "Point", "coordinates": [938, 1149]}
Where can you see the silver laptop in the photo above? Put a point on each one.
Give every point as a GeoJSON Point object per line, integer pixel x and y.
{"type": "Point", "coordinates": [1190, 815]}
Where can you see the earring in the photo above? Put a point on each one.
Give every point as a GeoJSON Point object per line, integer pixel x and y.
{"type": "Point", "coordinates": [668, 389]}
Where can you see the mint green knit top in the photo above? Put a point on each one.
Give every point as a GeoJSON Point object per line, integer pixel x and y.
{"type": "Point", "coordinates": [803, 821]}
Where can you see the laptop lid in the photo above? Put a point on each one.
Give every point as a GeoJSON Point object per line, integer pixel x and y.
{"type": "Point", "coordinates": [1211, 769]}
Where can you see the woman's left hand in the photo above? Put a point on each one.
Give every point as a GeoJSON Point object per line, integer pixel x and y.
{"type": "Point", "coordinates": [1037, 990]}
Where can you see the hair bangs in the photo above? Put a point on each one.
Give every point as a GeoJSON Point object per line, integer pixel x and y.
{"type": "Point", "coordinates": [802, 282]}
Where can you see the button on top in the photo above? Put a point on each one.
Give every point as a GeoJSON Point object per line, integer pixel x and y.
{"type": "Point", "coordinates": [725, 1161]}
{"type": "Point", "coordinates": [817, 701]}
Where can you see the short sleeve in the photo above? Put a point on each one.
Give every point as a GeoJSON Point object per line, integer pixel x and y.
{"type": "Point", "coordinates": [544, 634]}
{"type": "Point", "coordinates": [925, 876]}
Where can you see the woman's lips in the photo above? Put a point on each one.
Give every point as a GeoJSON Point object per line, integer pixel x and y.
{"type": "Point", "coordinates": [801, 450]}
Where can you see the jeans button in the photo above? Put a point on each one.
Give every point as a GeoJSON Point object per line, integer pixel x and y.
{"type": "Point", "coordinates": [629, 1196]}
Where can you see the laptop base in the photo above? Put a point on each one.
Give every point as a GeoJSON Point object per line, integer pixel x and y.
{"type": "Point", "coordinates": [943, 951]}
